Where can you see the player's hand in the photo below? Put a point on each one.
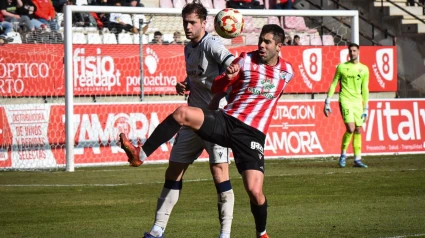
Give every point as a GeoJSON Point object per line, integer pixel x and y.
{"type": "Point", "coordinates": [232, 70]}
{"type": "Point", "coordinates": [181, 87]}
{"type": "Point", "coordinates": [327, 110]}
{"type": "Point", "coordinates": [365, 114]}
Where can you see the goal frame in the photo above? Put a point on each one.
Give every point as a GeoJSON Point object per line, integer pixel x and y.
{"type": "Point", "coordinates": [69, 9]}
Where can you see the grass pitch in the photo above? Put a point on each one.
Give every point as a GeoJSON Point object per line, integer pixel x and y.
{"type": "Point", "coordinates": [307, 198]}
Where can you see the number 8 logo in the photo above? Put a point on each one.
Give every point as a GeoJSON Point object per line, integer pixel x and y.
{"type": "Point", "coordinates": [385, 63]}
{"type": "Point", "coordinates": [312, 61]}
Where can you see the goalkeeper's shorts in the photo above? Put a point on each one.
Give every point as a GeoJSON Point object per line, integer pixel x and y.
{"type": "Point", "coordinates": [352, 112]}
{"type": "Point", "coordinates": [188, 146]}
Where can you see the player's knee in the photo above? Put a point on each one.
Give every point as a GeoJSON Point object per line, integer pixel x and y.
{"type": "Point", "coordinates": [350, 129]}
{"type": "Point", "coordinates": [256, 194]}
{"type": "Point", "coordinates": [358, 130]}
{"type": "Point", "coordinates": [181, 114]}
{"type": "Point", "coordinates": [175, 171]}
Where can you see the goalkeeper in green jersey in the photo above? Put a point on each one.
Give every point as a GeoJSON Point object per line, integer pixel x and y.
{"type": "Point", "coordinates": [353, 77]}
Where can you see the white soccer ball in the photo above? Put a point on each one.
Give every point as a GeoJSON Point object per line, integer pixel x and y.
{"type": "Point", "coordinates": [228, 23]}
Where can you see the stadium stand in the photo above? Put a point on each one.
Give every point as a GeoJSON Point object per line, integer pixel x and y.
{"type": "Point", "coordinates": [79, 38]}
{"type": "Point", "coordinates": [249, 24]}
{"type": "Point", "coordinates": [165, 4]}
{"type": "Point", "coordinates": [297, 24]}
{"type": "Point", "coordinates": [210, 24]}
{"type": "Point", "coordinates": [207, 3]}
{"type": "Point", "coordinates": [179, 3]}
{"type": "Point", "coordinates": [328, 40]}
{"type": "Point", "coordinates": [273, 20]}
{"type": "Point", "coordinates": [94, 38]}
{"type": "Point", "coordinates": [109, 38]}
{"type": "Point", "coordinates": [219, 4]}
{"type": "Point", "coordinates": [304, 39]}
{"type": "Point", "coordinates": [315, 39]}
{"type": "Point", "coordinates": [293, 25]}
{"type": "Point", "coordinates": [125, 38]}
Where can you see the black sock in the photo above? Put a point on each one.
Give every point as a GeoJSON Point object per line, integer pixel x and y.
{"type": "Point", "coordinates": [162, 133]}
{"type": "Point", "coordinates": [260, 216]}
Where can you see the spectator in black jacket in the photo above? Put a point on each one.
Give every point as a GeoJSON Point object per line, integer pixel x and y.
{"type": "Point", "coordinates": [28, 9]}
{"type": "Point", "coordinates": [9, 10]}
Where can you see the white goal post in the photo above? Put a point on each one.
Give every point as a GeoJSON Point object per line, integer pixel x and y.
{"type": "Point", "coordinates": [68, 39]}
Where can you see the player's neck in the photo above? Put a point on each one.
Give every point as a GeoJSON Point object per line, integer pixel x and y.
{"type": "Point", "coordinates": [198, 39]}
{"type": "Point", "coordinates": [272, 62]}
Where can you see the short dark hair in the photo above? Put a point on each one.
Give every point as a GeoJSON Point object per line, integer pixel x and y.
{"type": "Point", "coordinates": [197, 8]}
{"type": "Point", "coordinates": [296, 37]}
{"type": "Point", "coordinates": [353, 45]}
{"type": "Point", "coordinates": [276, 30]}
{"type": "Point", "coordinates": [157, 33]}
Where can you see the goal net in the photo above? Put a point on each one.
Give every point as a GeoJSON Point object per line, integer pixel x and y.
{"type": "Point", "coordinates": [64, 104]}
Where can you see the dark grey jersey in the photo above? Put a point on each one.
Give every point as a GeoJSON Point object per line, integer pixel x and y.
{"type": "Point", "coordinates": [204, 62]}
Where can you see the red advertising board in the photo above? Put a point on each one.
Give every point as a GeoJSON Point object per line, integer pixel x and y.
{"type": "Point", "coordinates": [33, 135]}
{"type": "Point", "coordinates": [299, 128]}
{"type": "Point", "coordinates": [38, 70]}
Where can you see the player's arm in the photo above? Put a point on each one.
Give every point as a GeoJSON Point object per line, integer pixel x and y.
{"type": "Point", "coordinates": [335, 81]}
{"type": "Point", "coordinates": [222, 82]}
{"type": "Point", "coordinates": [365, 93]}
{"type": "Point", "coordinates": [327, 110]}
{"type": "Point", "coordinates": [221, 55]}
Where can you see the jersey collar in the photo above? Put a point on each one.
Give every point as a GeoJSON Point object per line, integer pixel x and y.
{"type": "Point", "coordinates": [195, 45]}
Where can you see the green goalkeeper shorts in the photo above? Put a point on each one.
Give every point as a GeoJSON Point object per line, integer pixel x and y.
{"type": "Point", "coordinates": [352, 112]}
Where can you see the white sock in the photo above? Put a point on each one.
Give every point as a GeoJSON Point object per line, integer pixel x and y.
{"type": "Point", "coordinates": [261, 233]}
{"type": "Point", "coordinates": [224, 235]}
{"type": "Point", "coordinates": [357, 158]}
{"type": "Point", "coordinates": [225, 203]}
{"type": "Point", "coordinates": [156, 231]}
{"type": "Point", "coordinates": [142, 154]}
{"type": "Point", "coordinates": [344, 152]}
{"type": "Point", "coordinates": [165, 205]}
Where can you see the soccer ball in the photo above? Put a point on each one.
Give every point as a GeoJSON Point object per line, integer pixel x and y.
{"type": "Point", "coordinates": [228, 23]}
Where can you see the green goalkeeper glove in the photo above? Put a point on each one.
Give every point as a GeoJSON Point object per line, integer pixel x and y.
{"type": "Point", "coordinates": [365, 113]}
{"type": "Point", "coordinates": [327, 110]}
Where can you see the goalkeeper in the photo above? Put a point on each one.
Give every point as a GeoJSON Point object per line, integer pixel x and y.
{"type": "Point", "coordinates": [353, 77]}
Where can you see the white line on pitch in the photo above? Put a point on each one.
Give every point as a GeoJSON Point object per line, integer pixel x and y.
{"type": "Point", "coordinates": [161, 182]}
{"type": "Point", "coordinates": [405, 236]}
{"type": "Point", "coordinates": [92, 185]}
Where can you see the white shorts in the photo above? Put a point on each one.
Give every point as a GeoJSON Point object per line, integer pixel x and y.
{"type": "Point", "coordinates": [188, 146]}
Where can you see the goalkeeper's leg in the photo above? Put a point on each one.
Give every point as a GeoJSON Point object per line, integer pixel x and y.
{"type": "Point", "coordinates": [357, 147]}
{"type": "Point", "coordinates": [348, 117]}
{"type": "Point", "coordinates": [346, 140]}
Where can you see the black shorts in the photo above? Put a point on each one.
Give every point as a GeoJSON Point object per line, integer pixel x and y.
{"type": "Point", "coordinates": [246, 142]}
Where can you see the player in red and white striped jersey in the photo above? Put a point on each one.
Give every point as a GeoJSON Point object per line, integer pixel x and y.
{"type": "Point", "coordinates": [255, 89]}
{"type": "Point", "coordinates": [254, 81]}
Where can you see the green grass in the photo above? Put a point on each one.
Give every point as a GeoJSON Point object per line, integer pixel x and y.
{"type": "Point", "coordinates": [307, 198]}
